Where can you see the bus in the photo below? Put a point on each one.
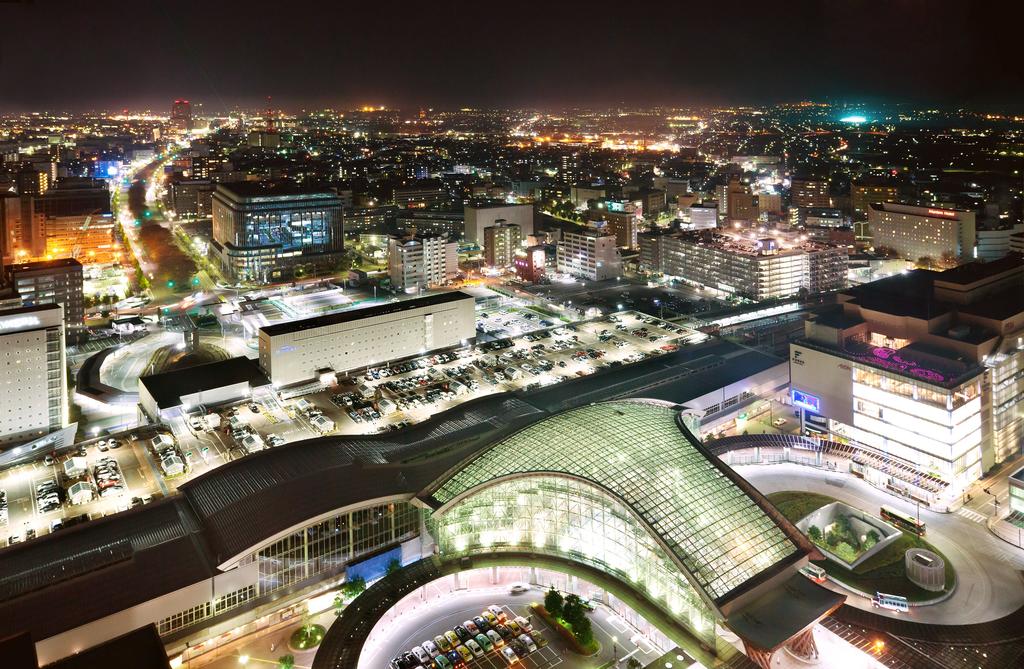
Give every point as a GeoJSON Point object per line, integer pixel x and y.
{"type": "Point", "coordinates": [813, 572]}
{"type": "Point", "coordinates": [904, 521]}
{"type": "Point", "coordinates": [896, 603]}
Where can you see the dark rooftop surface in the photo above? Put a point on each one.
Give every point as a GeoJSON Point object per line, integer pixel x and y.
{"type": "Point", "coordinates": [999, 306]}
{"type": "Point", "coordinates": [977, 271]}
{"type": "Point", "coordinates": [143, 646]}
{"type": "Point", "coordinates": [775, 617]}
{"type": "Point", "coordinates": [907, 294]}
{"type": "Point", "coordinates": [365, 312]}
{"type": "Point", "coordinates": [261, 189]}
{"type": "Point", "coordinates": [43, 265]}
{"type": "Point", "coordinates": [167, 388]}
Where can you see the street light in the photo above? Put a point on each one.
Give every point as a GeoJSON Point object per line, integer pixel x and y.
{"type": "Point", "coordinates": [243, 659]}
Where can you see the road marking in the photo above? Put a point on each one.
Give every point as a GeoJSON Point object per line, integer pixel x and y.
{"type": "Point", "coordinates": [973, 516]}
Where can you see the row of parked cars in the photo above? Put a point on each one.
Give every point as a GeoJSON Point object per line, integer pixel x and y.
{"type": "Point", "coordinates": [490, 631]}
{"type": "Point", "coordinates": [108, 477]}
{"type": "Point", "coordinates": [3, 507]}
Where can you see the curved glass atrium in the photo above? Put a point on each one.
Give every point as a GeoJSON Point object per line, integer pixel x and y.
{"type": "Point", "coordinates": [611, 484]}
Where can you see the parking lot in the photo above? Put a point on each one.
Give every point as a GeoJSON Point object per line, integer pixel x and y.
{"type": "Point", "coordinates": [376, 400]}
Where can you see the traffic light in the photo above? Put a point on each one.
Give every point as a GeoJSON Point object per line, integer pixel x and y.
{"type": "Point", "coordinates": [195, 281]}
{"type": "Point", "coordinates": [170, 284]}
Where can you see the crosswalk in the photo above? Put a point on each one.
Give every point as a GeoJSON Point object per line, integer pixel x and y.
{"type": "Point", "coordinates": [973, 516]}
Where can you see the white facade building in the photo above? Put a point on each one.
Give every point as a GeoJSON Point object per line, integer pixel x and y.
{"type": "Point", "coordinates": [482, 216]}
{"type": "Point", "coordinates": [423, 261]}
{"type": "Point", "coordinates": [923, 232]}
{"type": "Point", "coordinates": [33, 383]}
{"type": "Point", "coordinates": [301, 351]}
{"type": "Point", "coordinates": [589, 254]}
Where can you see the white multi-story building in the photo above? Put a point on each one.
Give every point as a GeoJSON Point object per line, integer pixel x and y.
{"type": "Point", "coordinates": [482, 216]}
{"type": "Point", "coordinates": [422, 261]}
{"type": "Point", "coordinates": [758, 269]}
{"type": "Point", "coordinates": [305, 350]}
{"type": "Point", "coordinates": [33, 383]}
{"type": "Point", "coordinates": [923, 368]}
{"type": "Point", "coordinates": [943, 235]}
{"type": "Point", "coordinates": [589, 254]}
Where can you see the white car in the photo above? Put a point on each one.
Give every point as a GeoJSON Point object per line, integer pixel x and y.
{"type": "Point", "coordinates": [509, 655]}
{"type": "Point", "coordinates": [518, 589]}
{"type": "Point", "coordinates": [528, 642]}
{"type": "Point", "coordinates": [421, 655]}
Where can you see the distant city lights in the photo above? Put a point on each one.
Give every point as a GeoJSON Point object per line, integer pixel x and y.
{"type": "Point", "coordinates": [855, 118]}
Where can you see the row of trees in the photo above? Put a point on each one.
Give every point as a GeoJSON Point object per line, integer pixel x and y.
{"type": "Point", "coordinates": [570, 610]}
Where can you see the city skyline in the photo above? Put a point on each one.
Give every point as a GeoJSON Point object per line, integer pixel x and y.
{"type": "Point", "coordinates": [231, 55]}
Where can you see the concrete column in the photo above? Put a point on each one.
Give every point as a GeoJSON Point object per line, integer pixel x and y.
{"type": "Point", "coordinates": [455, 581]}
{"type": "Point", "coordinates": [494, 575]}
{"type": "Point", "coordinates": [533, 575]}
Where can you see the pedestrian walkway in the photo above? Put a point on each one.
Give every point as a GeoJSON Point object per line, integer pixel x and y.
{"type": "Point", "coordinates": [973, 516]}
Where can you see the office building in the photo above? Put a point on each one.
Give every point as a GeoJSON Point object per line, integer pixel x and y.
{"type": "Point", "coordinates": [922, 368]}
{"type": "Point", "coordinates": [625, 221]}
{"type": "Point", "coordinates": [758, 269]}
{"type": "Point", "coordinates": [33, 379]}
{"type": "Point", "coordinates": [994, 238]}
{"type": "Point", "coordinates": [809, 192]}
{"type": "Point", "coordinates": [769, 204]}
{"type": "Point", "coordinates": [192, 198]}
{"type": "Point", "coordinates": [865, 192]}
{"type": "Point", "coordinates": [423, 195]}
{"type": "Point", "coordinates": [181, 115]}
{"type": "Point", "coordinates": [451, 224]}
{"type": "Point", "coordinates": [501, 242]}
{"type": "Point", "coordinates": [267, 231]}
{"type": "Point", "coordinates": [588, 254]}
{"type": "Point", "coordinates": [569, 171]}
{"type": "Point", "coordinates": [581, 195]}
{"type": "Point", "coordinates": [945, 237]}
{"type": "Point", "coordinates": [306, 350]}
{"type": "Point", "coordinates": [421, 261]}
{"type": "Point", "coordinates": [737, 201]}
{"type": "Point", "coordinates": [816, 217]}
{"type": "Point", "coordinates": [24, 228]}
{"type": "Point", "coordinates": [367, 220]}
{"type": "Point", "coordinates": [52, 282]}
{"type": "Point", "coordinates": [31, 181]}
{"type": "Point", "coordinates": [75, 197]}
{"type": "Point", "coordinates": [479, 216]}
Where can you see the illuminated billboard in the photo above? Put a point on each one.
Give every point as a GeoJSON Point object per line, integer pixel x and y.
{"type": "Point", "coordinates": [806, 401]}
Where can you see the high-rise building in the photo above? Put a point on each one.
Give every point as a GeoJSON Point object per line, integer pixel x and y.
{"type": "Point", "coordinates": [758, 269]}
{"type": "Point", "coordinates": [569, 169]}
{"type": "Point", "coordinates": [588, 254]}
{"type": "Point", "coordinates": [75, 197]}
{"type": "Point", "coordinates": [624, 220]}
{"type": "Point", "coordinates": [32, 181]}
{"type": "Point", "coordinates": [24, 227]}
{"type": "Point", "coordinates": [423, 195]}
{"type": "Point", "coordinates": [703, 216]}
{"type": "Point", "coordinates": [33, 381]}
{"type": "Point", "coordinates": [865, 192]}
{"type": "Point", "coordinates": [922, 369]}
{"type": "Point", "coordinates": [809, 192]}
{"type": "Point", "coordinates": [181, 115]}
{"type": "Point", "coordinates": [501, 242]}
{"type": "Point", "coordinates": [737, 201]}
{"type": "Point", "coordinates": [422, 261]}
{"type": "Point", "coordinates": [943, 236]}
{"type": "Point", "coordinates": [52, 282]}
{"type": "Point", "coordinates": [265, 231]}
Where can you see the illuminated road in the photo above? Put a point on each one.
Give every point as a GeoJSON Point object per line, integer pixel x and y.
{"type": "Point", "coordinates": [988, 569]}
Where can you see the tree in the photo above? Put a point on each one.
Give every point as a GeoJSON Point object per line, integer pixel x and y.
{"type": "Point", "coordinates": [582, 630]}
{"type": "Point", "coordinates": [286, 662]}
{"type": "Point", "coordinates": [814, 533]}
{"type": "Point", "coordinates": [553, 603]}
{"type": "Point", "coordinates": [353, 588]}
{"type": "Point", "coordinates": [572, 610]}
{"type": "Point", "coordinates": [633, 663]}
{"type": "Point", "coordinates": [393, 566]}
{"type": "Point", "coordinates": [925, 262]}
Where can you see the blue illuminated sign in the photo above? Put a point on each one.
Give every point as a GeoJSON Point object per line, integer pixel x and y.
{"type": "Point", "coordinates": [806, 401]}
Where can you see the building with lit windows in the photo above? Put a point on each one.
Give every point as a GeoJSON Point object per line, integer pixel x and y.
{"type": "Point", "coordinates": [422, 261]}
{"type": "Point", "coordinates": [181, 115]}
{"type": "Point", "coordinates": [944, 236]}
{"type": "Point", "coordinates": [481, 215]}
{"type": "Point", "coordinates": [266, 231]}
{"type": "Point", "coordinates": [33, 378]}
{"type": "Point", "coordinates": [501, 242]}
{"type": "Point", "coordinates": [809, 192]}
{"type": "Point", "coordinates": [757, 269]}
{"type": "Point", "coordinates": [865, 192]}
{"type": "Point", "coordinates": [923, 368]}
{"type": "Point", "coordinates": [52, 282]}
{"type": "Point", "coordinates": [588, 254]}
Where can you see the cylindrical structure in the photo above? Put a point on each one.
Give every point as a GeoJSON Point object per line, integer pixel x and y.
{"type": "Point", "coordinates": [925, 569]}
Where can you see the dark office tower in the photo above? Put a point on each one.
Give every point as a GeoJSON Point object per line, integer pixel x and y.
{"type": "Point", "coordinates": [181, 115]}
{"type": "Point", "coordinates": [569, 170]}
{"type": "Point", "coordinates": [52, 282]}
{"type": "Point", "coordinates": [269, 231]}
{"type": "Point", "coordinates": [23, 226]}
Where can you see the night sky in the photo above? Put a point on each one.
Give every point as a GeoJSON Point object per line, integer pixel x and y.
{"type": "Point", "coordinates": [76, 54]}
